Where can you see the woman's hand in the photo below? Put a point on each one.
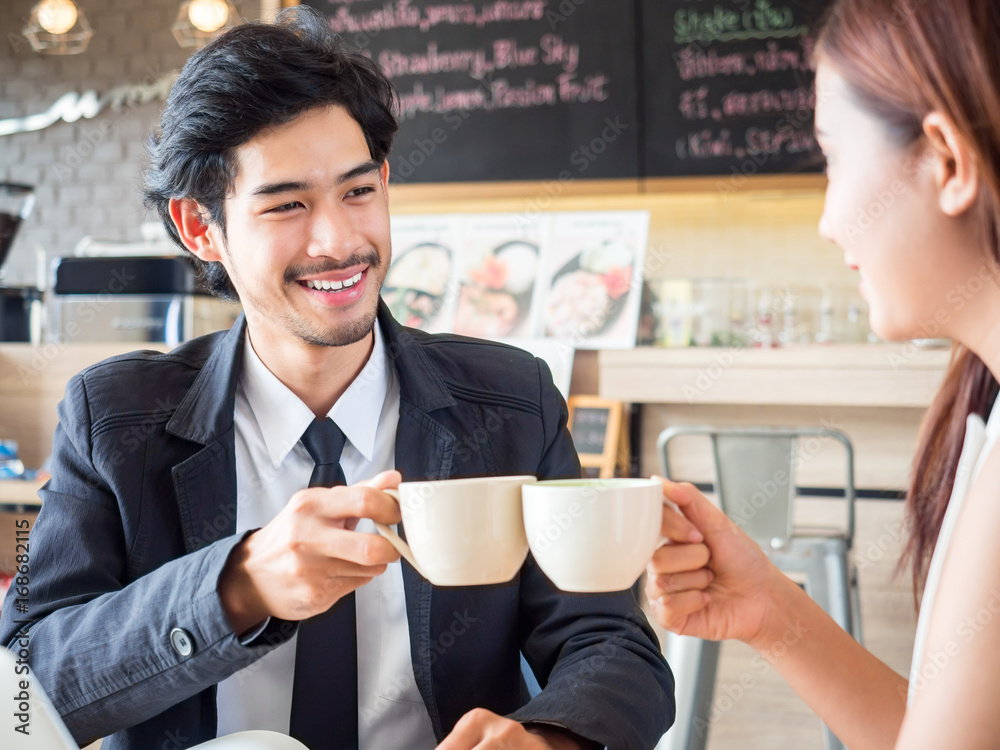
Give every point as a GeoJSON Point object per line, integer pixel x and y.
{"type": "Point", "coordinates": [710, 580]}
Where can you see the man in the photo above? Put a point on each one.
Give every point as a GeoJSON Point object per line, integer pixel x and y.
{"type": "Point", "coordinates": [180, 548]}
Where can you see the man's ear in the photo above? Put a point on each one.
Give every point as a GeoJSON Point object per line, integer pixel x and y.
{"type": "Point", "coordinates": [956, 172]}
{"type": "Point", "coordinates": [194, 230]}
{"type": "Point", "coordinates": [383, 175]}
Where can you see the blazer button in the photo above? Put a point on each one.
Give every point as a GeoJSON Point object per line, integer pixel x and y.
{"type": "Point", "coordinates": [182, 642]}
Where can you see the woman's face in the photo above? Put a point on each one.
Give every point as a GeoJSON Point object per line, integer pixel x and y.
{"type": "Point", "coordinates": [882, 209]}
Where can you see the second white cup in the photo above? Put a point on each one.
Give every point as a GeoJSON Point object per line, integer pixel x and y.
{"type": "Point", "coordinates": [593, 535]}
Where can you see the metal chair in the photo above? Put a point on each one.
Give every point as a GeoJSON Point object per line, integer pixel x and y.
{"type": "Point", "coordinates": [755, 485]}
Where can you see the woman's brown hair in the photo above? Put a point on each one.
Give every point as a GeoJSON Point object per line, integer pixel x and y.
{"type": "Point", "coordinates": [903, 59]}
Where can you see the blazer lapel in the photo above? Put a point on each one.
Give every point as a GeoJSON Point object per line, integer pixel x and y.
{"type": "Point", "coordinates": [205, 483]}
{"type": "Point", "coordinates": [424, 450]}
{"type": "Point", "coordinates": [205, 486]}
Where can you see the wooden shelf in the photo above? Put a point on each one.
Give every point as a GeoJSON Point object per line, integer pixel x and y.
{"type": "Point", "coordinates": [33, 381]}
{"type": "Point", "coordinates": [19, 492]}
{"type": "Point", "coordinates": [875, 375]}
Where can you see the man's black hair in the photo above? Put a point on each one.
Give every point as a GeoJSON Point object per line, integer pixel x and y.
{"type": "Point", "coordinates": [252, 77]}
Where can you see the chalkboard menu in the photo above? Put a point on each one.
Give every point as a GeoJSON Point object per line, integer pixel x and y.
{"type": "Point", "coordinates": [564, 90]}
{"type": "Point", "coordinates": [728, 86]}
{"type": "Point", "coordinates": [503, 89]}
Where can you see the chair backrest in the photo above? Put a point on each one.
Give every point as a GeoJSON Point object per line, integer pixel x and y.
{"type": "Point", "coordinates": [755, 475]}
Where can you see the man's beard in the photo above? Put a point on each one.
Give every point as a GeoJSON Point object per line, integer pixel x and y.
{"type": "Point", "coordinates": [344, 335]}
{"type": "Point", "coordinates": [340, 335]}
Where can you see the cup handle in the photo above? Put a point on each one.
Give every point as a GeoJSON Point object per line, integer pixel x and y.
{"type": "Point", "coordinates": [665, 540]}
{"type": "Point", "coordinates": [395, 539]}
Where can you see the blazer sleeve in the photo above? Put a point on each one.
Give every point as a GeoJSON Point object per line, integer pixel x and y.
{"type": "Point", "coordinates": [99, 638]}
{"type": "Point", "coordinates": [596, 657]}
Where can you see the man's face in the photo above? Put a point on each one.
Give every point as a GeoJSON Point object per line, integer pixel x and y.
{"type": "Point", "coordinates": [307, 227]}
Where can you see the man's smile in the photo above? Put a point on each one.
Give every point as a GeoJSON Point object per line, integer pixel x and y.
{"type": "Point", "coordinates": [337, 290]}
{"type": "Point", "coordinates": [334, 284]}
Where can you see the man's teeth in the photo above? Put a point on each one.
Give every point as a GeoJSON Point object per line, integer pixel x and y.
{"type": "Point", "coordinates": [333, 286]}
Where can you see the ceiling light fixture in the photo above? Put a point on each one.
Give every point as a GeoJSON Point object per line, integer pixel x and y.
{"type": "Point", "coordinates": [57, 16]}
{"type": "Point", "coordinates": [208, 15]}
{"type": "Point", "coordinates": [58, 27]}
{"type": "Point", "coordinates": [199, 21]}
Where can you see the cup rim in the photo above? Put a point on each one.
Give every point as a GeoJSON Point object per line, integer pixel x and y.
{"type": "Point", "coordinates": [586, 482]}
{"type": "Point", "coordinates": [473, 480]}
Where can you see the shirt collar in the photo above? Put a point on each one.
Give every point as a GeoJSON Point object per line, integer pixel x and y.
{"type": "Point", "coordinates": [359, 408]}
{"type": "Point", "coordinates": [283, 417]}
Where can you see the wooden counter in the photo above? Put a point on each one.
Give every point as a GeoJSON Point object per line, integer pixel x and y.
{"type": "Point", "coordinates": [32, 382]}
{"type": "Point", "coordinates": [881, 375]}
{"type": "Point", "coordinates": [876, 394]}
{"type": "Point", "coordinates": [14, 492]}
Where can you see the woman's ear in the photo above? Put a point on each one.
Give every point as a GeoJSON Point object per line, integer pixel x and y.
{"type": "Point", "coordinates": [955, 170]}
{"type": "Point", "coordinates": [195, 232]}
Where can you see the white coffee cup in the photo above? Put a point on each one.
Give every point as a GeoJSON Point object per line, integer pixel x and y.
{"type": "Point", "coordinates": [462, 532]}
{"type": "Point", "coordinates": [593, 535]}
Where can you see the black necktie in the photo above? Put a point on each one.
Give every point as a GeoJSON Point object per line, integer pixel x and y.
{"type": "Point", "coordinates": [325, 690]}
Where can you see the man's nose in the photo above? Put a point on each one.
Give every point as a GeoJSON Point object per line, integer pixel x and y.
{"type": "Point", "coordinates": [333, 231]}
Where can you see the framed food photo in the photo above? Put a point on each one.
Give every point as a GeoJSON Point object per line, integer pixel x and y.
{"type": "Point", "coordinates": [419, 288]}
{"type": "Point", "coordinates": [496, 275]}
{"type": "Point", "coordinates": [591, 281]}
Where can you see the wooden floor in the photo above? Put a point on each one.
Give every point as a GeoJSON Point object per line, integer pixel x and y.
{"type": "Point", "coordinates": [768, 715]}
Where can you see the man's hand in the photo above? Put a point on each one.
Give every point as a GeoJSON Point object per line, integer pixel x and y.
{"type": "Point", "coordinates": [484, 730]}
{"type": "Point", "coordinates": [309, 555]}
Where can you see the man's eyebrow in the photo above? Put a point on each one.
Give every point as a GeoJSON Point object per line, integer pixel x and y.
{"type": "Point", "coordinates": [272, 188]}
{"type": "Point", "coordinates": [362, 169]}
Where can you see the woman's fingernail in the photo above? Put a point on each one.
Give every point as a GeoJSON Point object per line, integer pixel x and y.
{"type": "Point", "coordinates": [695, 536]}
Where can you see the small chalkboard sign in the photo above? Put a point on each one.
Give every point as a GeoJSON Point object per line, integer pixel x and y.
{"type": "Point", "coordinates": [595, 424]}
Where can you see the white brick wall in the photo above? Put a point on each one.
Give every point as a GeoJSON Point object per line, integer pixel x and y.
{"type": "Point", "coordinates": [86, 172]}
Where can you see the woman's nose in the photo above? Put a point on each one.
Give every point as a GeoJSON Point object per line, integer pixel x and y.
{"type": "Point", "coordinates": [826, 225]}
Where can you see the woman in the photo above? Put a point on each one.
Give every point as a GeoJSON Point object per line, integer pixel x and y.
{"type": "Point", "coordinates": [908, 116]}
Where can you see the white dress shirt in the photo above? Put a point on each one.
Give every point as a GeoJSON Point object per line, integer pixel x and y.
{"type": "Point", "coordinates": [271, 465]}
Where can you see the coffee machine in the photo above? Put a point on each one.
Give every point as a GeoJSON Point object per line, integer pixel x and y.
{"type": "Point", "coordinates": [20, 307]}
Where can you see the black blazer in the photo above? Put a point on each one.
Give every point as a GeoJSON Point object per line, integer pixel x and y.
{"type": "Point", "coordinates": [139, 517]}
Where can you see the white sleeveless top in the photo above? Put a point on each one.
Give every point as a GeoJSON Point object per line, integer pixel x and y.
{"type": "Point", "coordinates": [979, 441]}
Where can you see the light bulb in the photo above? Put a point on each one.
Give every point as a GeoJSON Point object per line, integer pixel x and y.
{"type": "Point", "coordinates": [57, 16]}
{"type": "Point", "coordinates": [208, 15]}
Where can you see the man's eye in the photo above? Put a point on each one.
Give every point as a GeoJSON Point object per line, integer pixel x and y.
{"type": "Point", "coordinates": [283, 208]}
{"type": "Point", "coordinates": [360, 191]}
